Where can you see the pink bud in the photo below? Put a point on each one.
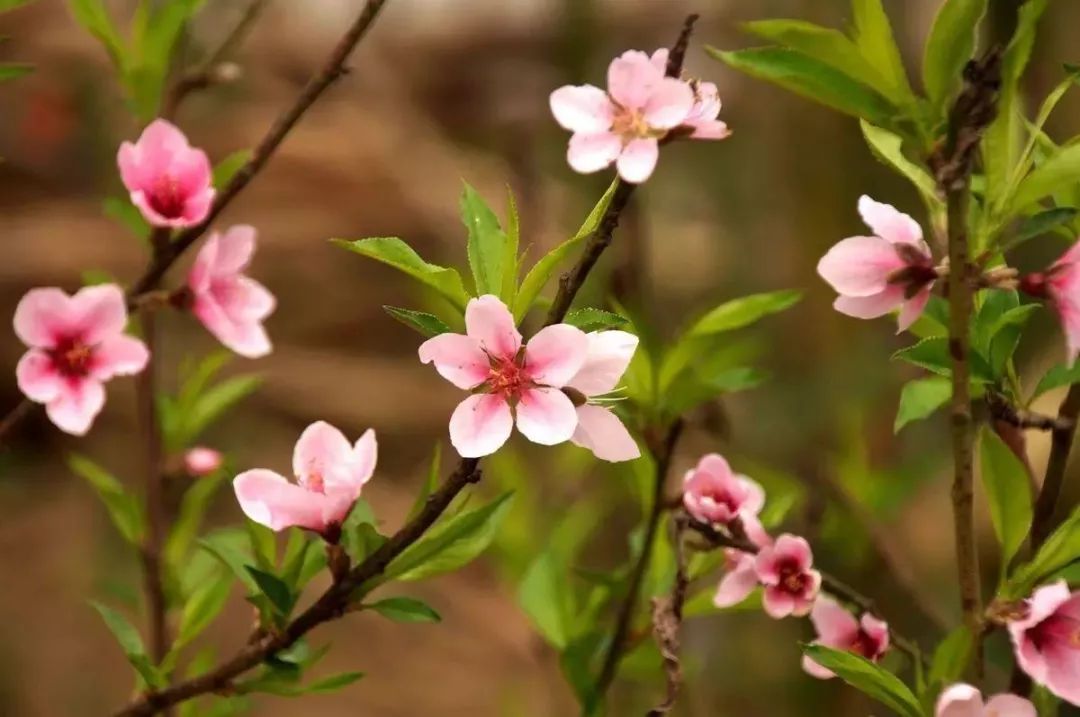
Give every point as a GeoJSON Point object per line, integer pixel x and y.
{"type": "Point", "coordinates": [202, 461]}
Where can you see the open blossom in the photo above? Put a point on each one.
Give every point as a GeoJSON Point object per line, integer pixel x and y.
{"type": "Point", "coordinates": [837, 628]}
{"type": "Point", "coordinates": [625, 124]}
{"type": "Point", "coordinates": [962, 700]}
{"type": "Point", "coordinates": [201, 461]}
{"type": "Point", "coordinates": [785, 570]}
{"type": "Point", "coordinates": [893, 269]}
{"type": "Point", "coordinates": [230, 305]}
{"type": "Point", "coordinates": [330, 474]}
{"type": "Point", "coordinates": [77, 343]}
{"type": "Point", "coordinates": [169, 180]}
{"type": "Point", "coordinates": [598, 428]}
{"type": "Point", "coordinates": [506, 379]}
{"type": "Point", "coordinates": [1061, 285]}
{"type": "Point", "coordinates": [713, 494]}
{"type": "Point", "coordinates": [1046, 639]}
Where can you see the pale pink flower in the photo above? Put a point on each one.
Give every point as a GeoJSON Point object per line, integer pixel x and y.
{"type": "Point", "coordinates": [962, 700]}
{"type": "Point", "coordinates": [201, 461]}
{"type": "Point", "coordinates": [1046, 639]}
{"type": "Point", "coordinates": [330, 475]}
{"type": "Point", "coordinates": [77, 343]}
{"type": "Point", "coordinates": [598, 428]}
{"type": "Point", "coordinates": [230, 305]}
{"type": "Point", "coordinates": [489, 360]}
{"type": "Point", "coordinates": [1061, 284]}
{"type": "Point", "coordinates": [785, 570]}
{"type": "Point", "coordinates": [713, 494]}
{"type": "Point", "coordinates": [624, 124]}
{"type": "Point", "coordinates": [701, 123]}
{"type": "Point", "coordinates": [893, 269]}
{"type": "Point", "coordinates": [837, 628]}
{"type": "Point", "coordinates": [169, 180]}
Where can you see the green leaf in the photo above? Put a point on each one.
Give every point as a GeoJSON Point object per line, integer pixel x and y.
{"type": "Point", "coordinates": [868, 678]}
{"type": "Point", "coordinates": [216, 401]}
{"type": "Point", "coordinates": [121, 210]}
{"type": "Point", "coordinates": [226, 547]}
{"type": "Point", "coordinates": [537, 277]}
{"type": "Point", "coordinates": [510, 261]}
{"type": "Point", "coordinates": [193, 507]}
{"type": "Point", "coordinates": [1008, 491]}
{"type": "Point", "coordinates": [123, 508]}
{"type": "Point", "coordinates": [737, 313]}
{"type": "Point", "coordinates": [810, 78]}
{"type": "Point", "coordinates": [950, 45]}
{"type": "Point", "coordinates": [1056, 377]}
{"type": "Point", "coordinates": [263, 544]}
{"type": "Point", "coordinates": [543, 594]}
{"type": "Point", "coordinates": [920, 398]}
{"type": "Point", "coordinates": [299, 551]}
{"type": "Point", "coordinates": [201, 608]}
{"type": "Point", "coordinates": [486, 242]}
{"type": "Point", "coordinates": [427, 324]}
{"type": "Point", "coordinates": [131, 644]}
{"type": "Point", "coordinates": [226, 169]}
{"type": "Point", "coordinates": [1061, 171]}
{"type": "Point", "coordinates": [932, 354]}
{"type": "Point", "coordinates": [450, 543]}
{"type": "Point", "coordinates": [887, 147]}
{"type": "Point", "coordinates": [359, 534]}
{"type": "Point", "coordinates": [405, 609]}
{"type": "Point", "coordinates": [396, 253]}
{"type": "Point", "coordinates": [94, 18]}
{"type": "Point", "coordinates": [1042, 223]}
{"type": "Point", "coordinates": [1060, 549]}
{"type": "Point", "coordinates": [333, 683]}
{"type": "Point", "coordinates": [874, 37]}
{"type": "Point", "coordinates": [951, 657]}
{"type": "Point", "coordinates": [698, 385]}
{"type": "Point", "coordinates": [829, 46]}
{"type": "Point", "coordinates": [14, 70]}
{"type": "Point", "coordinates": [590, 319]}
{"type": "Point", "coordinates": [274, 588]}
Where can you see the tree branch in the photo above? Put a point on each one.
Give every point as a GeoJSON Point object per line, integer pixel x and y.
{"type": "Point", "coordinates": [1061, 441]}
{"type": "Point", "coordinates": [667, 616]}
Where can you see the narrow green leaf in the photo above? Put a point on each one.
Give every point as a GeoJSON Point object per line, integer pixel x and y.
{"type": "Point", "coordinates": [333, 683]}
{"type": "Point", "coordinates": [867, 677]}
{"type": "Point", "coordinates": [216, 401]}
{"type": "Point", "coordinates": [874, 37]}
{"type": "Point", "coordinates": [543, 594]}
{"type": "Point", "coordinates": [263, 544]}
{"type": "Point", "coordinates": [1008, 491]}
{"type": "Point", "coordinates": [932, 354]}
{"type": "Point", "coordinates": [812, 79]}
{"type": "Point", "coordinates": [737, 313]}
{"type": "Point", "coordinates": [94, 18]}
{"type": "Point", "coordinates": [124, 510]}
{"type": "Point", "coordinates": [486, 242]}
{"type": "Point", "coordinates": [427, 324]}
{"type": "Point", "coordinates": [950, 45]}
{"type": "Point", "coordinates": [510, 260]}
{"type": "Point", "coordinates": [405, 609]}
{"type": "Point", "coordinates": [887, 147]}
{"type": "Point", "coordinates": [193, 507]}
{"type": "Point", "coordinates": [229, 552]}
{"type": "Point", "coordinates": [1042, 223]}
{"type": "Point", "coordinates": [1057, 551]}
{"type": "Point", "coordinates": [831, 47]}
{"type": "Point", "coordinates": [920, 398]}
{"type": "Point", "coordinates": [429, 484]}
{"type": "Point", "coordinates": [1056, 377]}
{"type": "Point", "coordinates": [227, 169]}
{"type": "Point", "coordinates": [1060, 171]}
{"type": "Point", "coordinates": [951, 657]}
{"type": "Point", "coordinates": [205, 604]}
{"type": "Point", "coordinates": [131, 644]}
{"type": "Point", "coordinates": [396, 253]}
{"type": "Point", "coordinates": [591, 319]}
{"type": "Point", "coordinates": [14, 70]}
{"type": "Point", "coordinates": [274, 588]}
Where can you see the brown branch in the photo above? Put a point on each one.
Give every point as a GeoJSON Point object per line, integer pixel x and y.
{"type": "Point", "coordinates": [667, 617]}
{"type": "Point", "coordinates": [1060, 446]}
{"type": "Point", "coordinates": [1002, 410]}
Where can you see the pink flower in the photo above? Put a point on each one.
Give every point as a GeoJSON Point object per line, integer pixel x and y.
{"type": "Point", "coordinates": [201, 461]}
{"type": "Point", "coordinates": [963, 700]}
{"type": "Point", "coordinates": [838, 629]}
{"type": "Point", "coordinates": [170, 182]}
{"type": "Point", "coordinates": [784, 568]}
{"type": "Point", "coordinates": [490, 361]}
{"type": "Point", "coordinates": [713, 494]}
{"type": "Point", "coordinates": [1061, 284]}
{"type": "Point", "coordinates": [1047, 640]}
{"type": "Point", "coordinates": [330, 474]}
{"type": "Point", "coordinates": [624, 124]}
{"type": "Point", "coordinates": [231, 305]}
{"type": "Point", "coordinates": [877, 274]}
{"type": "Point", "coordinates": [739, 579]}
{"type": "Point", "coordinates": [77, 343]}
{"type": "Point", "coordinates": [598, 428]}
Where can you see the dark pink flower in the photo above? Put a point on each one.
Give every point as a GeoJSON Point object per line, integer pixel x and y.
{"type": "Point", "coordinates": [1061, 285]}
{"type": "Point", "coordinates": [507, 379]}
{"type": "Point", "coordinates": [201, 461]}
{"type": "Point", "coordinates": [1046, 640]}
{"type": "Point", "coordinates": [785, 569]}
{"type": "Point", "coordinates": [598, 428]}
{"type": "Point", "coordinates": [231, 305]}
{"type": "Point", "coordinates": [893, 269]}
{"type": "Point", "coordinates": [170, 182]}
{"type": "Point", "coordinates": [961, 700]}
{"type": "Point", "coordinates": [77, 343]}
{"type": "Point", "coordinates": [330, 474]}
{"type": "Point", "coordinates": [713, 494]}
{"type": "Point", "coordinates": [837, 628]}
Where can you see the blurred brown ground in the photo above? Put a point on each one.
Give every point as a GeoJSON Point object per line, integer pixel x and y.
{"type": "Point", "coordinates": [443, 90]}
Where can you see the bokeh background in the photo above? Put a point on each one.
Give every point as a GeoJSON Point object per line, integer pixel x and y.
{"type": "Point", "coordinates": [444, 90]}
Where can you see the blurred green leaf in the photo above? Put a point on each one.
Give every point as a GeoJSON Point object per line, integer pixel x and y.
{"type": "Point", "coordinates": [950, 45]}
{"type": "Point", "coordinates": [1042, 223]}
{"type": "Point", "coordinates": [429, 484]}
{"type": "Point", "coordinates": [510, 261]}
{"type": "Point", "coordinates": [229, 548]}
{"type": "Point", "coordinates": [1060, 170]}
{"type": "Point", "coordinates": [427, 324]}
{"type": "Point", "coordinates": [193, 507]}
{"type": "Point", "coordinates": [396, 253]}
{"type": "Point", "coordinates": [263, 544]}
{"type": "Point", "coordinates": [591, 319]}
{"type": "Point", "coordinates": [874, 38]}
{"type": "Point", "coordinates": [737, 313]}
{"type": "Point", "coordinates": [94, 18]}
{"type": "Point", "coordinates": [205, 604]}
{"type": "Point", "coordinates": [6, 5]}
{"type": "Point", "coordinates": [14, 70]}
{"type": "Point", "coordinates": [227, 169]}
{"type": "Point", "coordinates": [867, 677]}
{"type": "Point", "coordinates": [216, 401]}
{"type": "Point", "coordinates": [405, 609]}
{"type": "Point", "coordinates": [358, 533]}
{"type": "Point", "coordinates": [123, 508]}
{"type": "Point", "coordinates": [486, 242]}
{"type": "Point", "coordinates": [920, 398]}
{"type": "Point", "coordinates": [1057, 551]}
{"type": "Point", "coordinates": [544, 594]}
{"type": "Point", "coordinates": [275, 589]}
{"type": "Point", "coordinates": [950, 658]}
{"type": "Point", "coordinates": [131, 644]}
{"type": "Point", "coordinates": [1056, 377]}
{"type": "Point", "coordinates": [1008, 492]}
{"type": "Point", "coordinates": [127, 214]}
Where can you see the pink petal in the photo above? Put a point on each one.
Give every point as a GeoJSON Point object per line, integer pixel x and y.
{"type": "Point", "coordinates": [669, 104]}
{"type": "Point", "coordinates": [877, 630]}
{"type": "Point", "coordinates": [755, 495]}
{"type": "Point", "coordinates": [196, 209]}
{"type": "Point", "coordinates": [1043, 603]}
{"type": "Point", "coordinates": [202, 269]}
{"type": "Point", "coordinates": [192, 172]}
{"type": "Point", "coordinates": [710, 129]}
{"type": "Point", "coordinates": [43, 316]}
{"type": "Point", "coordinates": [738, 582]}
{"type": "Point", "coordinates": [960, 700]}
{"type": "Point", "coordinates": [201, 461]}
{"type": "Point", "coordinates": [860, 266]}
{"type": "Point", "coordinates": [754, 530]}
{"type": "Point", "coordinates": [912, 309]}
{"type": "Point", "coordinates": [608, 357]}
{"type": "Point", "coordinates": [592, 152]}
{"type": "Point", "coordinates": [324, 457]}
{"type": "Point", "coordinates": [234, 250]}
{"type": "Point", "coordinates": [888, 223]}
{"type": "Point", "coordinates": [1063, 666]}
{"type": "Point", "coordinates": [715, 466]}
{"type": "Point", "coordinates": [37, 377]}
{"type": "Point", "coordinates": [546, 416]}
{"type": "Point", "coordinates": [269, 499]}
{"type": "Point", "coordinates": [1010, 706]}
{"type": "Point", "coordinates": [796, 549]}
{"type": "Point", "coordinates": [151, 215]}
{"type": "Point", "coordinates": [582, 108]}
{"type": "Point", "coordinates": [778, 603]}
{"type": "Point", "coordinates": [555, 354]}
{"type": "Point", "coordinates": [99, 312]}
{"type": "Point", "coordinates": [480, 425]}
{"type": "Point", "coordinates": [814, 669]}
{"type": "Point", "coordinates": [835, 626]}
{"type": "Point", "coordinates": [151, 157]}
{"type": "Point", "coordinates": [457, 358]}
{"type": "Point", "coordinates": [870, 307]}
{"type": "Point", "coordinates": [365, 456]}
{"type": "Point", "coordinates": [119, 356]}
{"type": "Point", "coordinates": [632, 78]}
{"type": "Point", "coordinates": [659, 59]}
{"type": "Point", "coordinates": [491, 325]}
{"type": "Point", "coordinates": [601, 431]}
{"type": "Point", "coordinates": [638, 160]}
{"type": "Point", "coordinates": [76, 405]}
{"type": "Point", "coordinates": [247, 338]}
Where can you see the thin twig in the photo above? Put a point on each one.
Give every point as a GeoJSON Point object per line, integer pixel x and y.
{"type": "Point", "coordinates": [667, 617]}
{"type": "Point", "coordinates": [1002, 410]}
{"type": "Point", "coordinates": [1060, 446]}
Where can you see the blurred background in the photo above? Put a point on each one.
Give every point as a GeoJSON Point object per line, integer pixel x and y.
{"type": "Point", "coordinates": [444, 90]}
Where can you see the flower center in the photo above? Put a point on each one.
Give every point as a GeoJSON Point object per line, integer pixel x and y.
{"type": "Point", "coordinates": [507, 378]}
{"type": "Point", "coordinates": [792, 579]}
{"type": "Point", "coordinates": [719, 496]}
{"type": "Point", "coordinates": [72, 357]}
{"type": "Point", "coordinates": [630, 125]}
{"type": "Point", "coordinates": [315, 482]}
{"type": "Point", "coordinates": [166, 198]}
{"type": "Point", "coordinates": [864, 645]}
